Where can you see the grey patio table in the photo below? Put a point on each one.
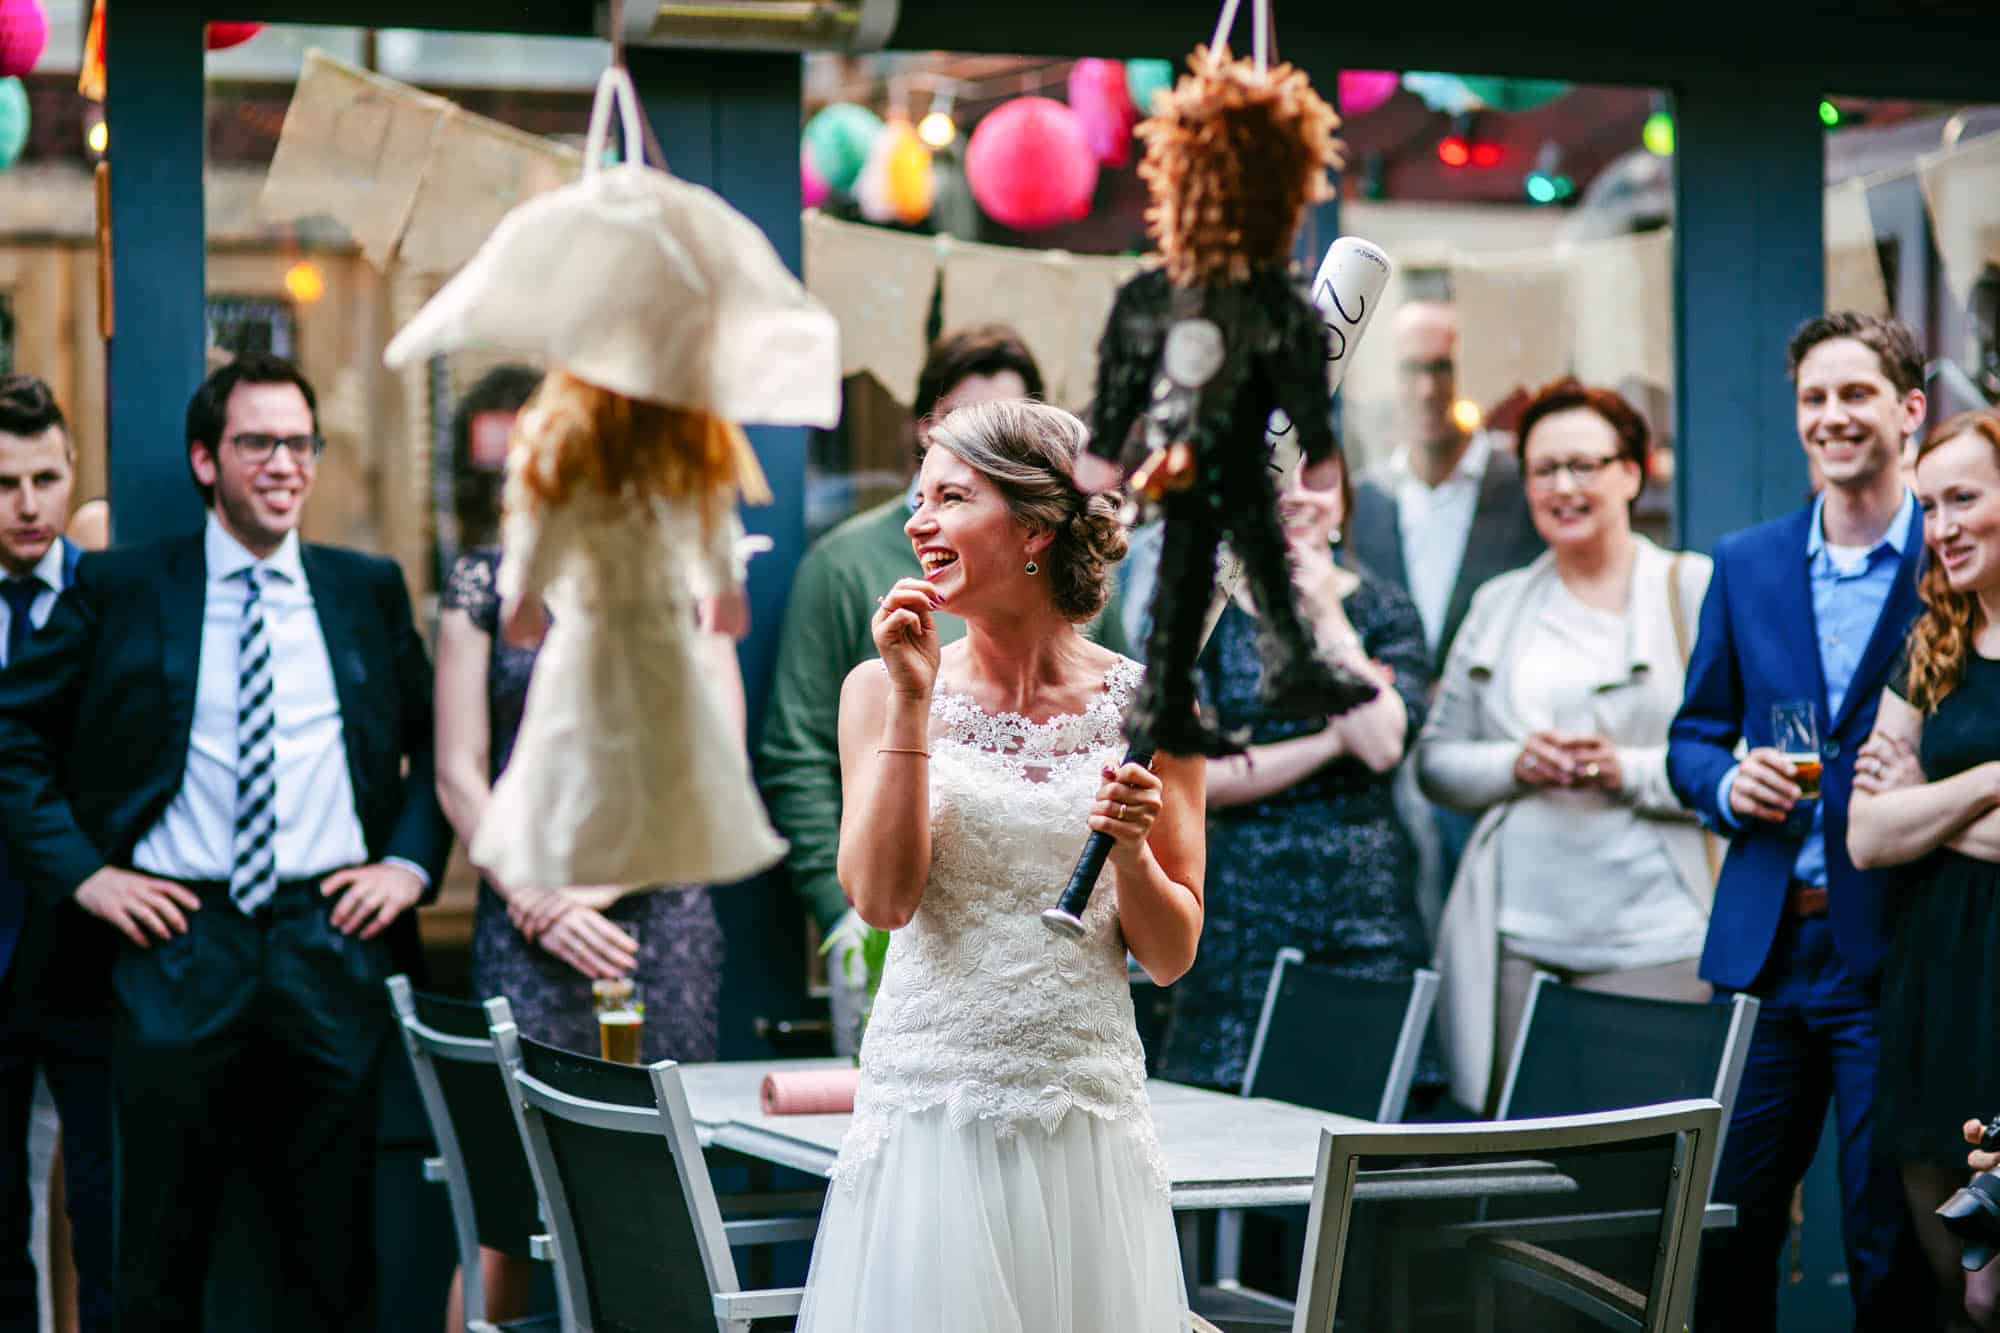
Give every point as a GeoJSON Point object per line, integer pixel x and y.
{"type": "Point", "coordinates": [1222, 1151]}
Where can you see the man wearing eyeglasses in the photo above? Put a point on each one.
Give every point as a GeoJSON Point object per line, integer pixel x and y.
{"type": "Point", "coordinates": [220, 746]}
{"type": "Point", "coordinates": [1441, 518]}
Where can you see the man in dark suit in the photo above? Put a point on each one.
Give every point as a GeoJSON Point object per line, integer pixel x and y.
{"type": "Point", "coordinates": [1813, 608]}
{"type": "Point", "coordinates": [220, 745]}
{"type": "Point", "coordinates": [1448, 512]}
{"type": "Point", "coordinates": [53, 1021]}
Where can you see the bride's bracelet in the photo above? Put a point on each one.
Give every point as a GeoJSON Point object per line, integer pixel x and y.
{"type": "Point", "coordinates": [899, 749]}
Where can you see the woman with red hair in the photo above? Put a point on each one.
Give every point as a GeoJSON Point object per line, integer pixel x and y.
{"type": "Point", "coordinates": [1927, 796]}
{"type": "Point", "coordinates": [1551, 726]}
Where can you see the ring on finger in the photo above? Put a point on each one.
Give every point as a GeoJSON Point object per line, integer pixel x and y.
{"type": "Point", "coordinates": [1591, 771]}
{"type": "Point", "coordinates": [1120, 816]}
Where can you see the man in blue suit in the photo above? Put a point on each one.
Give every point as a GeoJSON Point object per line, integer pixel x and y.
{"type": "Point", "coordinates": [1813, 607]}
{"type": "Point", "coordinates": [55, 1007]}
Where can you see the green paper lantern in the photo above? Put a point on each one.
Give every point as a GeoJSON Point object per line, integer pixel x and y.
{"type": "Point", "coordinates": [13, 121]}
{"type": "Point", "coordinates": [1514, 94]}
{"type": "Point", "coordinates": [838, 138]}
{"type": "Point", "coordinates": [1143, 78]}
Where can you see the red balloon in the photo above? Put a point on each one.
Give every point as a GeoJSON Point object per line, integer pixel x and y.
{"type": "Point", "coordinates": [1030, 166]}
{"type": "Point", "coordinates": [1098, 95]}
{"type": "Point", "coordinates": [222, 36]}
{"type": "Point", "coordinates": [24, 33]}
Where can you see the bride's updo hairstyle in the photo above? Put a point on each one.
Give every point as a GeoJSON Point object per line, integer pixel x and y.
{"type": "Point", "coordinates": [1028, 450]}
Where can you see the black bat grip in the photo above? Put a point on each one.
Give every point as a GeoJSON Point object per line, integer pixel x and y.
{"type": "Point", "coordinates": [1066, 917]}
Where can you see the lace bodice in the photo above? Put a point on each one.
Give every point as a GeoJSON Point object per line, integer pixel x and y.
{"type": "Point", "coordinates": [982, 1010]}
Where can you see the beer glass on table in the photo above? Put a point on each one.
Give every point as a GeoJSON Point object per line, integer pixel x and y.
{"type": "Point", "coordinates": [621, 1019]}
{"type": "Point", "coordinates": [1795, 735]}
{"type": "Point", "coordinates": [621, 1014]}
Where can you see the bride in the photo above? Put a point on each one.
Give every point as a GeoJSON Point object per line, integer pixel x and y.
{"type": "Point", "coordinates": [1001, 1174]}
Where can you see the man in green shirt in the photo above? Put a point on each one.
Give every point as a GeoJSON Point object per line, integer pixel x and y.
{"type": "Point", "coordinates": [826, 635]}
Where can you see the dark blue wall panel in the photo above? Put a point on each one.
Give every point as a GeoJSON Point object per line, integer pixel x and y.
{"type": "Point", "coordinates": [1751, 268]}
{"type": "Point", "coordinates": [153, 109]}
{"type": "Point", "coordinates": [731, 122]}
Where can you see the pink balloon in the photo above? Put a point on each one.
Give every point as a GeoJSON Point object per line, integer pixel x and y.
{"type": "Point", "coordinates": [1030, 166]}
{"type": "Point", "coordinates": [1362, 90]}
{"type": "Point", "coordinates": [222, 36]}
{"type": "Point", "coordinates": [1098, 95]}
{"type": "Point", "coordinates": [813, 188]}
{"type": "Point", "coordinates": [24, 34]}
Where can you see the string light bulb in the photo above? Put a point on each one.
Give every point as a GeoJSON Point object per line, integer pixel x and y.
{"type": "Point", "coordinates": [305, 283]}
{"type": "Point", "coordinates": [1466, 415]}
{"type": "Point", "coordinates": [937, 129]}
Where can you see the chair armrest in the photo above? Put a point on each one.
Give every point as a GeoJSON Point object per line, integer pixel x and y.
{"type": "Point", "coordinates": [771, 1230]}
{"type": "Point", "coordinates": [773, 1304]}
{"type": "Point", "coordinates": [542, 1248]}
{"type": "Point", "coordinates": [434, 1170]}
{"type": "Point", "coordinates": [1546, 1269]}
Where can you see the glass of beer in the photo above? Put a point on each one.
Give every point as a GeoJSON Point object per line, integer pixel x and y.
{"type": "Point", "coordinates": [1795, 735]}
{"type": "Point", "coordinates": [621, 1018]}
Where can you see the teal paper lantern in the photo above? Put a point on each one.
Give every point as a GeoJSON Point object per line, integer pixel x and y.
{"type": "Point", "coordinates": [1514, 94]}
{"type": "Point", "coordinates": [1143, 78]}
{"type": "Point", "coordinates": [1444, 93]}
{"type": "Point", "coordinates": [13, 121]}
{"type": "Point", "coordinates": [838, 139]}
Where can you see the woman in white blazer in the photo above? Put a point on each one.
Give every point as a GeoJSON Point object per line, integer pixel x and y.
{"type": "Point", "coordinates": [1551, 725]}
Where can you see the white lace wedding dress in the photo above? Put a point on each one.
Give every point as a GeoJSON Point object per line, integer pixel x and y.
{"type": "Point", "coordinates": [1001, 1174]}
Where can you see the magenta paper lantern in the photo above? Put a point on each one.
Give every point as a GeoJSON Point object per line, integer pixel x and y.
{"type": "Point", "coordinates": [813, 188]}
{"type": "Point", "coordinates": [222, 36]}
{"type": "Point", "coordinates": [1098, 95]}
{"type": "Point", "coordinates": [1362, 90]}
{"type": "Point", "coordinates": [1030, 166]}
{"type": "Point", "coordinates": [24, 34]}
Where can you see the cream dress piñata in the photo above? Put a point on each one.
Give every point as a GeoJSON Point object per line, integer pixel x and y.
{"type": "Point", "coordinates": [628, 769]}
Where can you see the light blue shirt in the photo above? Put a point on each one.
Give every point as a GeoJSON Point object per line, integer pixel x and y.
{"type": "Point", "coordinates": [1847, 603]}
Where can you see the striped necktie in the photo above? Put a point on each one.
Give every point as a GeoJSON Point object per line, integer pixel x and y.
{"type": "Point", "coordinates": [253, 875]}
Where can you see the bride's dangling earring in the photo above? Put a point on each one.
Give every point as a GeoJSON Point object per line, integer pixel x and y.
{"type": "Point", "coordinates": [1034, 568]}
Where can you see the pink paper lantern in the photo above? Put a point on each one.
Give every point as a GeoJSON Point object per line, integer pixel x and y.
{"type": "Point", "coordinates": [1098, 95]}
{"type": "Point", "coordinates": [222, 36]}
{"type": "Point", "coordinates": [813, 188]}
{"type": "Point", "coordinates": [1030, 165]}
{"type": "Point", "coordinates": [24, 34]}
{"type": "Point", "coordinates": [1362, 90]}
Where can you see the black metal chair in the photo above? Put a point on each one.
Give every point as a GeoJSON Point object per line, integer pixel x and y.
{"type": "Point", "coordinates": [1580, 1051]}
{"type": "Point", "coordinates": [638, 1240]}
{"type": "Point", "coordinates": [480, 1161]}
{"type": "Point", "coordinates": [1526, 1275]}
{"type": "Point", "coordinates": [1363, 1072]}
{"type": "Point", "coordinates": [1366, 1073]}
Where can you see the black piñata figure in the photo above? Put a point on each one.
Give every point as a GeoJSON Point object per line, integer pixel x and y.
{"type": "Point", "coordinates": [1195, 357]}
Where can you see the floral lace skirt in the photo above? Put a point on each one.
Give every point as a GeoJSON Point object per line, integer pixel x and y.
{"type": "Point", "coordinates": [992, 1227]}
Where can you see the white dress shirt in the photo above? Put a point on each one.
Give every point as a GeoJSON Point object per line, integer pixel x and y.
{"type": "Point", "coordinates": [49, 569]}
{"type": "Point", "coordinates": [318, 827]}
{"type": "Point", "coordinates": [1435, 522]}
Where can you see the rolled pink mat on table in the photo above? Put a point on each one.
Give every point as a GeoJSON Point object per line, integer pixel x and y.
{"type": "Point", "coordinates": [810, 1091]}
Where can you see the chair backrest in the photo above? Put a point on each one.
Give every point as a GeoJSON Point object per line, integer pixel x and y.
{"type": "Point", "coordinates": [638, 1238]}
{"type": "Point", "coordinates": [1519, 1156]}
{"type": "Point", "coordinates": [1580, 1051]}
{"type": "Point", "coordinates": [1337, 1043]}
{"type": "Point", "coordinates": [486, 1171]}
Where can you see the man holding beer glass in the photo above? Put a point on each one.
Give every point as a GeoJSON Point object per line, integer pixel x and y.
{"type": "Point", "coordinates": [1802, 624]}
